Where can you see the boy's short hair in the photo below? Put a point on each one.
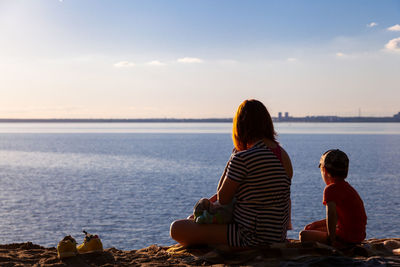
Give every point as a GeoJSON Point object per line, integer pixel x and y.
{"type": "Point", "coordinates": [335, 162]}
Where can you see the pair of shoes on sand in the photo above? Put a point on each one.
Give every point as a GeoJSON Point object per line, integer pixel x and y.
{"type": "Point", "coordinates": [68, 246]}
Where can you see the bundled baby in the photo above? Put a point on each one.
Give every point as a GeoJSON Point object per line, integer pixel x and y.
{"type": "Point", "coordinates": [207, 212]}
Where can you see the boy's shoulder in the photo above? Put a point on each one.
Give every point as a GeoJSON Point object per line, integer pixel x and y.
{"type": "Point", "coordinates": [341, 189]}
{"type": "Point", "coordinates": [336, 186]}
{"type": "Point", "coordinates": [334, 192]}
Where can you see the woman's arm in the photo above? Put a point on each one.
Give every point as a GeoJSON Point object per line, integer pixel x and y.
{"type": "Point", "coordinates": [331, 221]}
{"type": "Point", "coordinates": [221, 181]}
{"type": "Point", "coordinates": [227, 191]}
{"type": "Point", "coordinates": [287, 163]}
{"type": "Point", "coordinates": [213, 198]}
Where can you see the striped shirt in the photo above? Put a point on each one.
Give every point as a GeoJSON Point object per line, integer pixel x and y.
{"type": "Point", "coordinates": [261, 211]}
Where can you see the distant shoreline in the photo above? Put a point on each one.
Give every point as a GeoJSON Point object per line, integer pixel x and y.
{"type": "Point", "coordinates": [113, 120]}
{"type": "Point", "coordinates": [395, 118]}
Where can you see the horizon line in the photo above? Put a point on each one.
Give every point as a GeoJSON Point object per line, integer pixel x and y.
{"type": "Point", "coordinates": [215, 119]}
{"type": "Point", "coordinates": [205, 118]}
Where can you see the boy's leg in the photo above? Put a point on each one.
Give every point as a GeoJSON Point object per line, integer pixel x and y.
{"type": "Point", "coordinates": [187, 232]}
{"type": "Point", "coordinates": [321, 228]}
{"type": "Point", "coordinates": [314, 236]}
{"type": "Point", "coordinates": [317, 225]}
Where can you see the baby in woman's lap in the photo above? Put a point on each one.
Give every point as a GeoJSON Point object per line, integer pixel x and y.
{"type": "Point", "coordinates": [208, 212]}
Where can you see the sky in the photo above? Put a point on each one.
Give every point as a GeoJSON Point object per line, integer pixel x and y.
{"type": "Point", "coordinates": [198, 59]}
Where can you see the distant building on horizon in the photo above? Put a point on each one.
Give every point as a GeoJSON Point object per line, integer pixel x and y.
{"type": "Point", "coordinates": [280, 117]}
{"type": "Point", "coordinates": [287, 118]}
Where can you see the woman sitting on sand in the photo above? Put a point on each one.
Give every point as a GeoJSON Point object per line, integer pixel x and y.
{"type": "Point", "coordinates": [258, 175]}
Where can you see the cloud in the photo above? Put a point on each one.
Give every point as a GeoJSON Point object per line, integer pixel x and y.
{"type": "Point", "coordinates": [291, 59]}
{"type": "Point", "coordinates": [190, 60]}
{"type": "Point", "coordinates": [393, 45]}
{"type": "Point", "coordinates": [372, 24]}
{"type": "Point", "coordinates": [124, 64]}
{"type": "Point", "coordinates": [156, 63]}
{"type": "Point", "coordinates": [394, 28]}
{"type": "Point", "coordinates": [344, 56]}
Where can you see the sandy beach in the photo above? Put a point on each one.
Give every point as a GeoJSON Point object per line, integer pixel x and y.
{"type": "Point", "coordinates": [372, 252]}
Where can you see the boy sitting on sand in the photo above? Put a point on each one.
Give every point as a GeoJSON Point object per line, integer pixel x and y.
{"type": "Point", "coordinates": [345, 214]}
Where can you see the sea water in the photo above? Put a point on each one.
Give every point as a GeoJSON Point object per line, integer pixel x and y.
{"type": "Point", "coordinates": [128, 181]}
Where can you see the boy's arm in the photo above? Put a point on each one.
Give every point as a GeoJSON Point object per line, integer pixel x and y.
{"type": "Point", "coordinates": [331, 221]}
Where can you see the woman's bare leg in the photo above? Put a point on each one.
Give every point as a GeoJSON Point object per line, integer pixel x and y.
{"type": "Point", "coordinates": [187, 232]}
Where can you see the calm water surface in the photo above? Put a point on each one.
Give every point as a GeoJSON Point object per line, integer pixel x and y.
{"type": "Point", "coordinates": [129, 181]}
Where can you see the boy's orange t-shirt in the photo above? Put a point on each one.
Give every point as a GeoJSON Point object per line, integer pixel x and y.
{"type": "Point", "coordinates": [351, 217]}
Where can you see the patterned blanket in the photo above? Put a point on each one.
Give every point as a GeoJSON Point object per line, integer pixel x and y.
{"type": "Point", "coordinates": [372, 252]}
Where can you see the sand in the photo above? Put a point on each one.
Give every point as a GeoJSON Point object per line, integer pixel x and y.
{"type": "Point", "coordinates": [373, 252]}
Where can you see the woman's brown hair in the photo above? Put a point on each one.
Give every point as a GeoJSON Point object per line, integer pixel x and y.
{"type": "Point", "coordinates": [251, 123]}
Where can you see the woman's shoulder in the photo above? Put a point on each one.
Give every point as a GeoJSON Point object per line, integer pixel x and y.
{"type": "Point", "coordinates": [285, 155]}
{"type": "Point", "coordinates": [282, 155]}
{"type": "Point", "coordinates": [287, 163]}
{"type": "Point", "coordinates": [258, 148]}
